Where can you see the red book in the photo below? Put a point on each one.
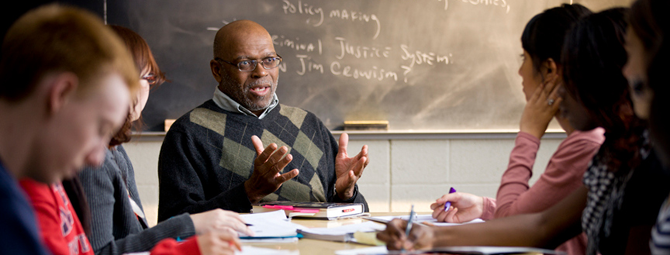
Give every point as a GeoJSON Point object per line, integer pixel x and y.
{"type": "Point", "coordinates": [318, 210]}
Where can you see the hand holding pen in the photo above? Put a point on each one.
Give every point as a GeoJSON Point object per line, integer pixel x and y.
{"type": "Point", "coordinates": [409, 221]}
{"type": "Point", "coordinates": [406, 235]}
{"type": "Point", "coordinates": [457, 207]}
{"type": "Point", "coordinates": [447, 205]}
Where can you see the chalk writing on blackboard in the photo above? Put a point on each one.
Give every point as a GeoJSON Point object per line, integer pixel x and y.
{"type": "Point", "coordinates": [342, 14]}
{"type": "Point", "coordinates": [280, 41]}
{"type": "Point", "coordinates": [500, 3]}
{"type": "Point", "coordinates": [361, 51]}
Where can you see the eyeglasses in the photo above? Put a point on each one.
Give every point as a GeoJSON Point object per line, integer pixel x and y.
{"type": "Point", "coordinates": [150, 78]}
{"type": "Point", "coordinates": [249, 65]}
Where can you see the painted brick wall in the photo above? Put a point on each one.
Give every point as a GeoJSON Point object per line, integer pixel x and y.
{"type": "Point", "coordinates": [401, 171]}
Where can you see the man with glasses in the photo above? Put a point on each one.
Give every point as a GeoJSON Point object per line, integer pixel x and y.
{"type": "Point", "coordinates": [213, 156]}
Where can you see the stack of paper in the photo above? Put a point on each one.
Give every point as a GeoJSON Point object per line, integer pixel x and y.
{"type": "Point", "coordinates": [341, 234]}
{"type": "Point", "coordinates": [270, 226]}
{"type": "Point", "coordinates": [250, 250]}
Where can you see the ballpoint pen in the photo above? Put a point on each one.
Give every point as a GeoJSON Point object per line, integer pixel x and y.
{"type": "Point", "coordinates": [409, 221]}
{"type": "Point", "coordinates": [448, 204]}
{"type": "Point", "coordinates": [409, 225]}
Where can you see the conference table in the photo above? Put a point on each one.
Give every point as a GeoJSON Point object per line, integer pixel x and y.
{"type": "Point", "coordinates": [311, 246]}
{"type": "Point", "coordinates": [307, 246]}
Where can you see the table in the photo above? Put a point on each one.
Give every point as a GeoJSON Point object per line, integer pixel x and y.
{"type": "Point", "coordinates": [312, 246]}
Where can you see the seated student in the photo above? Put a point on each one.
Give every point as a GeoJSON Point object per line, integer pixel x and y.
{"type": "Point", "coordinates": [213, 156]}
{"type": "Point", "coordinates": [648, 51]}
{"type": "Point", "coordinates": [64, 79]}
{"type": "Point", "coordinates": [118, 223]}
{"type": "Point", "coordinates": [542, 41]}
{"type": "Point", "coordinates": [624, 187]}
{"type": "Point", "coordinates": [59, 225]}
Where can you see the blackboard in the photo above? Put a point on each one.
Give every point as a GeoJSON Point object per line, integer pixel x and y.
{"type": "Point", "coordinates": [420, 64]}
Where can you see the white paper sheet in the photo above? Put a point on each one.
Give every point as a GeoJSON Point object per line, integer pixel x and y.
{"type": "Point", "coordinates": [250, 250]}
{"type": "Point", "coordinates": [370, 250]}
{"type": "Point", "coordinates": [422, 218]}
{"type": "Point", "coordinates": [347, 229]}
{"type": "Point", "coordinates": [270, 224]}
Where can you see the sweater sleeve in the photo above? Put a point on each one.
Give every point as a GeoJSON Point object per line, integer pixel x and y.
{"type": "Point", "coordinates": [102, 195]}
{"type": "Point", "coordinates": [561, 177]}
{"type": "Point", "coordinates": [489, 208]}
{"type": "Point", "coordinates": [179, 172]}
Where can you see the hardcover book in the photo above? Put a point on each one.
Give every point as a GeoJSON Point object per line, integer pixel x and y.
{"type": "Point", "coordinates": [318, 210]}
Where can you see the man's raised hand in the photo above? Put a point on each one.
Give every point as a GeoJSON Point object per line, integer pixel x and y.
{"type": "Point", "coordinates": [348, 170]}
{"type": "Point", "coordinates": [268, 165]}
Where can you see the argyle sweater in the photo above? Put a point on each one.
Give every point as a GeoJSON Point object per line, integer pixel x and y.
{"type": "Point", "coordinates": [208, 155]}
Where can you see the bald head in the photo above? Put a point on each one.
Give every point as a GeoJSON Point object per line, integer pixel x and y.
{"type": "Point", "coordinates": [237, 33]}
{"type": "Point", "coordinates": [245, 42]}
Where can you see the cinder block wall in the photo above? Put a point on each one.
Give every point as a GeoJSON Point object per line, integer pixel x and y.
{"type": "Point", "coordinates": [403, 170]}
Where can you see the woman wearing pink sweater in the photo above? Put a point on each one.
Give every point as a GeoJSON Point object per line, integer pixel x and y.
{"type": "Point", "coordinates": [542, 41]}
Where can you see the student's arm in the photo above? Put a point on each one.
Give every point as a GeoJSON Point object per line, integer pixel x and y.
{"type": "Point", "coordinates": [110, 206]}
{"type": "Point", "coordinates": [467, 207]}
{"type": "Point", "coordinates": [547, 229]}
{"type": "Point", "coordinates": [562, 176]}
{"type": "Point", "coordinates": [515, 195]}
{"type": "Point", "coordinates": [212, 243]}
{"type": "Point", "coordinates": [514, 181]}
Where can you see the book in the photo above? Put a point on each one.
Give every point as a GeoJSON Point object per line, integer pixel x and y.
{"type": "Point", "coordinates": [317, 210]}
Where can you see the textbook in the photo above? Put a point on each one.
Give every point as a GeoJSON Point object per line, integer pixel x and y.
{"type": "Point", "coordinates": [317, 210]}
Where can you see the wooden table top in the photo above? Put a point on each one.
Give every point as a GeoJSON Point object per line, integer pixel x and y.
{"type": "Point", "coordinates": [312, 246]}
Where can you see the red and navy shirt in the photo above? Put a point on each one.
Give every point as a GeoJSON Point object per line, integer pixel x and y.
{"type": "Point", "coordinates": [58, 223]}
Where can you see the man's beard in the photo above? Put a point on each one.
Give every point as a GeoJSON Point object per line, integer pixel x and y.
{"type": "Point", "coordinates": [244, 97]}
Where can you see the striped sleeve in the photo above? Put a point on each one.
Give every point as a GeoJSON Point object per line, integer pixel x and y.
{"type": "Point", "coordinates": [660, 233]}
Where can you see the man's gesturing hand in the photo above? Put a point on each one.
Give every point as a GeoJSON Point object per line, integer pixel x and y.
{"type": "Point", "coordinates": [348, 170]}
{"type": "Point", "coordinates": [267, 177]}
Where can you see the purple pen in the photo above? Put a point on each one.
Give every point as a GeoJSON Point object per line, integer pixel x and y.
{"type": "Point", "coordinates": [448, 204]}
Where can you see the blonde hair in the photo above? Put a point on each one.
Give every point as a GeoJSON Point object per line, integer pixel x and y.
{"type": "Point", "coordinates": [56, 38]}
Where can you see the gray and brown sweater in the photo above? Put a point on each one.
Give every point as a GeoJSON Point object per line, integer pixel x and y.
{"type": "Point", "coordinates": [208, 155]}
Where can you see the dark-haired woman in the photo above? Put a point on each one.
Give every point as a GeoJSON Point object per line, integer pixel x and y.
{"type": "Point", "coordinates": [622, 186]}
{"type": "Point", "coordinates": [542, 42]}
{"type": "Point", "coordinates": [118, 223]}
{"type": "Point", "coordinates": [648, 51]}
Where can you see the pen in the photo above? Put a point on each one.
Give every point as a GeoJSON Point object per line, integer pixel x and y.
{"type": "Point", "coordinates": [409, 221]}
{"type": "Point", "coordinates": [409, 225]}
{"type": "Point", "coordinates": [448, 204]}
